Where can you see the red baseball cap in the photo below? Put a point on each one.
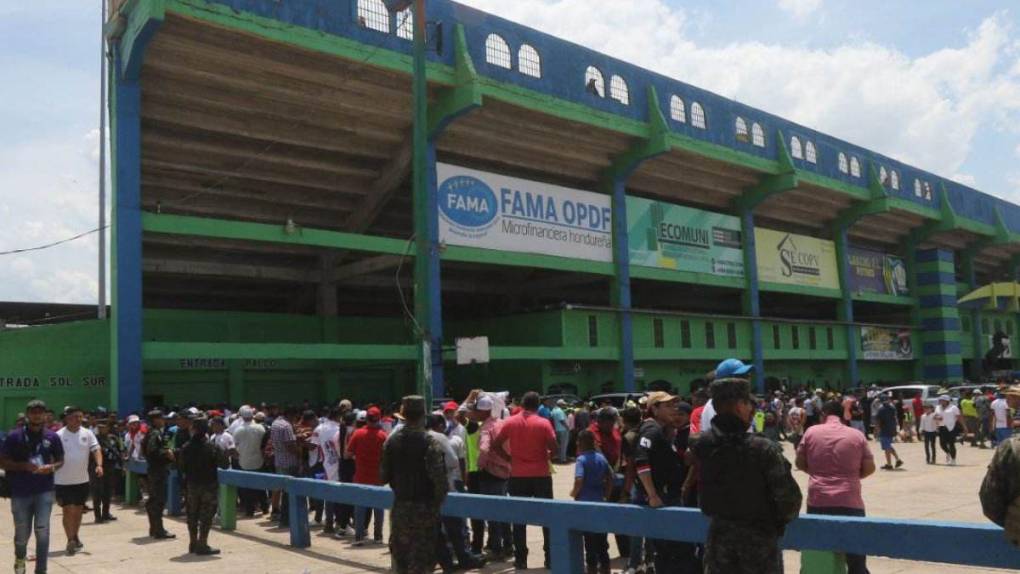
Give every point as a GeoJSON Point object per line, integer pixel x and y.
{"type": "Point", "coordinates": [450, 406]}
{"type": "Point", "coordinates": [373, 413]}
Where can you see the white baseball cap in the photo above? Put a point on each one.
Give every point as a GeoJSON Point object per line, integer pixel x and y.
{"type": "Point", "coordinates": [133, 419]}
{"type": "Point", "coordinates": [484, 403]}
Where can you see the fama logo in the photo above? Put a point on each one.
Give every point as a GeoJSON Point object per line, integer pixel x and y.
{"type": "Point", "coordinates": [467, 202]}
{"type": "Point", "coordinates": [795, 261]}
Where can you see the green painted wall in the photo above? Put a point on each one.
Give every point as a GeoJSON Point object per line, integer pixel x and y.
{"type": "Point", "coordinates": [63, 364]}
{"type": "Point", "coordinates": [56, 361]}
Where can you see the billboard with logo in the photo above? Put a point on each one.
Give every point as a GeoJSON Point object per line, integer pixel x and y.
{"type": "Point", "coordinates": [796, 259]}
{"type": "Point", "coordinates": [675, 237]}
{"type": "Point", "coordinates": [886, 344]}
{"type": "Point", "coordinates": [491, 211]}
{"type": "Point", "coordinates": [876, 272]}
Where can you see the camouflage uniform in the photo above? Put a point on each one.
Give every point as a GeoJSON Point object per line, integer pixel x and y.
{"type": "Point", "coordinates": [747, 490]}
{"type": "Point", "coordinates": [1000, 491]}
{"type": "Point", "coordinates": [200, 459]}
{"type": "Point", "coordinates": [156, 448]}
{"type": "Point", "coordinates": [413, 466]}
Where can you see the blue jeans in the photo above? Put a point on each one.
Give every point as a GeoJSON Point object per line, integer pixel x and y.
{"type": "Point", "coordinates": [32, 512]}
{"type": "Point", "coordinates": [1002, 434]}
{"type": "Point", "coordinates": [562, 440]}
{"type": "Point", "coordinates": [361, 516]}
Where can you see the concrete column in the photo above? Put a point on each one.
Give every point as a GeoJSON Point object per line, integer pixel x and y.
{"type": "Point", "coordinates": [940, 320]}
{"type": "Point", "coordinates": [751, 301]}
{"type": "Point", "coordinates": [621, 298]}
{"type": "Point", "coordinates": [126, 269]}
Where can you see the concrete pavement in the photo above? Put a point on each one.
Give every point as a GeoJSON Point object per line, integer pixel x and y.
{"type": "Point", "coordinates": [916, 491]}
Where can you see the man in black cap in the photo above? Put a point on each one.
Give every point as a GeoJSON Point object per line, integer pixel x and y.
{"type": "Point", "coordinates": [413, 464]}
{"type": "Point", "coordinates": [200, 459]}
{"type": "Point", "coordinates": [746, 487]}
{"type": "Point", "coordinates": [158, 455]}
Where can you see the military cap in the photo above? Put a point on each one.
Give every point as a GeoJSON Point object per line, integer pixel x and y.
{"type": "Point", "coordinates": [732, 389]}
{"type": "Point", "coordinates": [155, 414]}
{"type": "Point", "coordinates": [413, 406]}
{"type": "Point", "coordinates": [35, 404]}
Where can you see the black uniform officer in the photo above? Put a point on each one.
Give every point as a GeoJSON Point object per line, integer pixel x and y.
{"type": "Point", "coordinates": [158, 455]}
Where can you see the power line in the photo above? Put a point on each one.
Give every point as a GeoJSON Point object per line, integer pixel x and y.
{"type": "Point", "coordinates": [54, 244]}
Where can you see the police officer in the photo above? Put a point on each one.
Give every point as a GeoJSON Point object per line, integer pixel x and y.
{"type": "Point", "coordinates": [1000, 490]}
{"type": "Point", "coordinates": [746, 487]}
{"type": "Point", "coordinates": [200, 460]}
{"type": "Point", "coordinates": [413, 466]}
{"type": "Point", "coordinates": [158, 455]}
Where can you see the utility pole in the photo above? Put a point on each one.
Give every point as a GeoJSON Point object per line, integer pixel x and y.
{"type": "Point", "coordinates": [101, 311]}
{"type": "Point", "coordinates": [422, 286]}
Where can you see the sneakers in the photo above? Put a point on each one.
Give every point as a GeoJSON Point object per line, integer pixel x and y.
{"type": "Point", "coordinates": [886, 467]}
{"type": "Point", "coordinates": [949, 459]}
{"type": "Point", "coordinates": [19, 566]}
{"type": "Point", "coordinates": [342, 532]}
{"type": "Point", "coordinates": [952, 462]}
{"type": "Point", "coordinates": [77, 544]}
{"type": "Point", "coordinates": [899, 463]}
{"type": "Point", "coordinates": [72, 548]}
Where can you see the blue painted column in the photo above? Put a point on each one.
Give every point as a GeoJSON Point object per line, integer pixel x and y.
{"type": "Point", "coordinates": [126, 270]}
{"type": "Point", "coordinates": [621, 284]}
{"type": "Point", "coordinates": [434, 301]}
{"type": "Point", "coordinates": [940, 319]}
{"type": "Point", "coordinates": [977, 331]}
{"type": "Point", "coordinates": [846, 305]}
{"type": "Point", "coordinates": [752, 305]}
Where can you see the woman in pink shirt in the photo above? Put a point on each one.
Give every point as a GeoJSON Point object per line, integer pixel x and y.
{"type": "Point", "coordinates": [836, 457]}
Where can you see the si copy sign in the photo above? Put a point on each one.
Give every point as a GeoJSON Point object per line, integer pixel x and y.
{"type": "Point", "coordinates": [492, 211]}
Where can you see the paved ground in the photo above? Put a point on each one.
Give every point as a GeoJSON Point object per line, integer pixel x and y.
{"type": "Point", "coordinates": [916, 491]}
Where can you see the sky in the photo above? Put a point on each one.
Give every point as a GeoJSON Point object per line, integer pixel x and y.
{"type": "Point", "coordinates": [934, 83]}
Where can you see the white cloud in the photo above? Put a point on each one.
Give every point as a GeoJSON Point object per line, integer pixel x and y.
{"type": "Point", "coordinates": [48, 192]}
{"type": "Point", "coordinates": [1017, 150]}
{"type": "Point", "coordinates": [800, 9]}
{"type": "Point", "coordinates": [925, 110]}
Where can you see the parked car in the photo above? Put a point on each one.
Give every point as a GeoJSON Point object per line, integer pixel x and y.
{"type": "Point", "coordinates": [571, 400]}
{"type": "Point", "coordinates": [957, 392]}
{"type": "Point", "coordinates": [906, 393]}
{"type": "Point", "coordinates": [615, 399]}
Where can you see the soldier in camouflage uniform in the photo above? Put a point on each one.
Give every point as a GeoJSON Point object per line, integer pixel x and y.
{"type": "Point", "coordinates": [158, 456]}
{"type": "Point", "coordinates": [200, 459]}
{"type": "Point", "coordinates": [413, 466]}
{"type": "Point", "coordinates": [746, 487]}
{"type": "Point", "coordinates": [1000, 491]}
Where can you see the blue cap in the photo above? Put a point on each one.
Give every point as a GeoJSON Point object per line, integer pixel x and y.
{"type": "Point", "coordinates": [732, 368]}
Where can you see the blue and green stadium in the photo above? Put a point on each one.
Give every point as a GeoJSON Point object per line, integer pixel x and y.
{"type": "Point", "coordinates": [268, 243]}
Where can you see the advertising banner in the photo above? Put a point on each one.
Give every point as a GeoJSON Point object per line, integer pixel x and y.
{"type": "Point", "coordinates": [877, 272]}
{"type": "Point", "coordinates": [886, 344]}
{"type": "Point", "coordinates": [481, 209]}
{"type": "Point", "coordinates": [675, 237]}
{"type": "Point", "coordinates": [796, 259]}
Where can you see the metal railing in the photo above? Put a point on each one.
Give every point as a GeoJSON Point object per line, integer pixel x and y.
{"type": "Point", "coordinates": [970, 544]}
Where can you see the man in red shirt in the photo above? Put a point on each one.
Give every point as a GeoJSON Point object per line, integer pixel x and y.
{"type": "Point", "coordinates": [532, 443]}
{"type": "Point", "coordinates": [918, 406]}
{"type": "Point", "coordinates": [366, 447]}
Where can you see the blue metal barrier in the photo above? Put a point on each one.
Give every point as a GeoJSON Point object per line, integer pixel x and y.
{"type": "Point", "coordinates": [970, 544]}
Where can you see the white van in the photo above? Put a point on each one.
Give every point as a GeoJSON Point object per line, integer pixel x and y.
{"type": "Point", "coordinates": [906, 393]}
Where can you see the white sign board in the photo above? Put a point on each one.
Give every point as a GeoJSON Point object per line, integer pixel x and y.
{"type": "Point", "coordinates": [481, 209]}
{"type": "Point", "coordinates": [472, 350]}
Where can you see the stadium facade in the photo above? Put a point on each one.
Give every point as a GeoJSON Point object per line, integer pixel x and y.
{"type": "Point", "coordinates": [606, 227]}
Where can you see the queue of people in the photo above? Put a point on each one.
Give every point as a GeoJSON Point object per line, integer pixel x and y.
{"type": "Point", "coordinates": [720, 452]}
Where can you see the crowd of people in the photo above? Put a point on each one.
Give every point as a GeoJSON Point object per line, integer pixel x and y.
{"type": "Point", "coordinates": [720, 450]}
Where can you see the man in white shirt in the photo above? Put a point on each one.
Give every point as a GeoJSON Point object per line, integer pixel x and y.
{"type": "Point", "coordinates": [1000, 416]}
{"type": "Point", "coordinates": [453, 527]}
{"type": "Point", "coordinates": [323, 437]}
{"type": "Point", "coordinates": [947, 415]}
{"type": "Point", "coordinates": [248, 440]}
{"type": "Point", "coordinates": [72, 479]}
{"type": "Point", "coordinates": [222, 439]}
